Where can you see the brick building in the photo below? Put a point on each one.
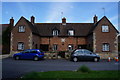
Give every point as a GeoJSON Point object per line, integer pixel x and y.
{"type": "Point", "coordinates": [99, 36]}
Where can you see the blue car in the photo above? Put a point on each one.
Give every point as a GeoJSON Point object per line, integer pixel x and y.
{"type": "Point", "coordinates": [34, 54]}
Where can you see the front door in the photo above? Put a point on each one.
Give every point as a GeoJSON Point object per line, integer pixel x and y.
{"type": "Point", "coordinates": [82, 46]}
{"type": "Point", "coordinates": [44, 47]}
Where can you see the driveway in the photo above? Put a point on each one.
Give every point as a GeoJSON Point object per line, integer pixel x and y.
{"type": "Point", "coordinates": [16, 68]}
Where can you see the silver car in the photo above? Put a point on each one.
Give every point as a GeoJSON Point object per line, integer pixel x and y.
{"type": "Point", "coordinates": [84, 54]}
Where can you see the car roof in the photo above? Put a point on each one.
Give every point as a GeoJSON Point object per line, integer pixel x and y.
{"type": "Point", "coordinates": [81, 49]}
{"type": "Point", "coordinates": [32, 49]}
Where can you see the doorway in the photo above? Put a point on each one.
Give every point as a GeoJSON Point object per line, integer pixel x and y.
{"type": "Point", "coordinates": [82, 46]}
{"type": "Point", "coordinates": [44, 47]}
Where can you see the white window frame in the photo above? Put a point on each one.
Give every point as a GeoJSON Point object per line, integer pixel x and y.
{"type": "Point", "coordinates": [71, 32]}
{"type": "Point", "coordinates": [21, 29]}
{"type": "Point", "coordinates": [55, 33]}
{"type": "Point", "coordinates": [55, 47]}
{"type": "Point", "coordinates": [105, 47]}
{"type": "Point", "coordinates": [70, 47]}
{"type": "Point", "coordinates": [20, 46]}
{"type": "Point", "coordinates": [105, 28]}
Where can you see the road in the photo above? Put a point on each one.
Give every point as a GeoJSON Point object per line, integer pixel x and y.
{"type": "Point", "coordinates": [16, 68]}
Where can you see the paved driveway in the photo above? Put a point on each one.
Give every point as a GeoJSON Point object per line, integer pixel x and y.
{"type": "Point", "coordinates": [16, 68]}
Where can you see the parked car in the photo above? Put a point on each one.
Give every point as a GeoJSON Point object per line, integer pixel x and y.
{"type": "Point", "coordinates": [34, 54]}
{"type": "Point", "coordinates": [84, 54]}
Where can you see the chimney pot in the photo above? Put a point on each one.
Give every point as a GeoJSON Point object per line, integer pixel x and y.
{"type": "Point", "coordinates": [11, 22]}
{"type": "Point", "coordinates": [32, 19]}
{"type": "Point", "coordinates": [64, 21]}
{"type": "Point", "coordinates": [95, 19]}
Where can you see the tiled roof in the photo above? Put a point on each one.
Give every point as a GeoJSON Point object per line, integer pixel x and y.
{"type": "Point", "coordinates": [32, 27]}
{"type": "Point", "coordinates": [81, 29]}
{"type": "Point", "coordinates": [93, 27]}
{"type": "Point", "coordinates": [45, 29]}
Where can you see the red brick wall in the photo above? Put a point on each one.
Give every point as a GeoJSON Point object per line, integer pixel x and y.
{"type": "Point", "coordinates": [20, 37]}
{"type": "Point", "coordinates": [63, 46]}
{"type": "Point", "coordinates": [105, 37]}
{"type": "Point", "coordinates": [35, 40]}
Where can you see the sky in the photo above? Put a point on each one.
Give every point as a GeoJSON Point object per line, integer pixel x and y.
{"type": "Point", "coordinates": [50, 12]}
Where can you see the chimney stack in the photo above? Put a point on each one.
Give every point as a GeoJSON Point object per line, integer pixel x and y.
{"type": "Point", "coordinates": [95, 19]}
{"type": "Point", "coordinates": [64, 21]}
{"type": "Point", "coordinates": [12, 22]}
{"type": "Point", "coordinates": [32, 19]}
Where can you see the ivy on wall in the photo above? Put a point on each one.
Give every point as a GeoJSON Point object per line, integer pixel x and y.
{"type": "Point", "coordinates": [6, 40]}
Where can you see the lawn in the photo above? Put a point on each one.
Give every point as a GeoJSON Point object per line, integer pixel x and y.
{"type": "Point", "coordinates": [72, 75]}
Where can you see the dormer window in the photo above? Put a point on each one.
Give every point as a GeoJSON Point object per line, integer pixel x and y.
{"type": "Point", "coordinates": [21, 29]}
{"type": "Point", "coordinates": [70, 32]}
{"type": "Point", "coordinates": [105, 28]}
{"type": "Point", "coordinates": [55, 33]}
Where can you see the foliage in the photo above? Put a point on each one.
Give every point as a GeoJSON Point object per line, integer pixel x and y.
{"type": "Point", "coordinates": [84, 69]}
{"type": "Point", "coordinates": [6, 36]}
{"type": "Point", "coordinates": [61, 53]}
{"type": "Point", "coordinates": [52, 52]}
{"type": "Point", "coordinates": [6, 41]}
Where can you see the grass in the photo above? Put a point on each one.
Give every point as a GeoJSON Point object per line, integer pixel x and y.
{"type": "Point", "coordinates": [72, 74]}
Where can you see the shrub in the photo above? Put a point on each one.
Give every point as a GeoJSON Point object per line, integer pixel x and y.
{"type": "Point", "coordinates": [84, 69]}
{"type": "Point", "coordinates": [62, 54]}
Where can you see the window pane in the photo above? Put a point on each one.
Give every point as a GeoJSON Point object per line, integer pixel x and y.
{"type": "Point", "coordinates": [105, 47]}
{"type": "Point", "coordinates": [33, 51]}
{"type": "Point", "coordinates": [55, 32]}
{"type": "Point", "coordinates": [21, 28]}
{"type": "Point", "coordinates": [71, 32]}
{"type": "Point", "coordinates": [20, 46]}
{"type": "Point", "coordinates": [105, 29]}
{"type": "Point", "coordinates": [55, 46]}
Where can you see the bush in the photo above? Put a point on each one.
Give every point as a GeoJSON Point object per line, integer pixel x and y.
{"type": "Point", "coordinates": [62, 54]}
{"type": "Point", "coordinates": [84, 69]}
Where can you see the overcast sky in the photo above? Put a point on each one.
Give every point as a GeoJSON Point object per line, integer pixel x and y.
{"type": "Point", "coordinates": [50, 12]}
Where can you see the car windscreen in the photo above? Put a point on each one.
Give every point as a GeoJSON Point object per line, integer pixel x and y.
{"type": "Point", "coordinates": [78, 52]}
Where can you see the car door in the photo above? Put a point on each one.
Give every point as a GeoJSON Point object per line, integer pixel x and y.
{"type": "Point", "coordinates": [80, 54]}
{"type": "Point", "coordinates": [25, 54]}
{"type": "Point", "coordinates": [88, 55]}
{"type": "Point", "coordinates": [33, 53]}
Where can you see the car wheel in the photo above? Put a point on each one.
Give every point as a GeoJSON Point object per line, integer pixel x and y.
{"type": "Point", "coordinates": [95, 59]}
{"type": "Point", "coordinates": [17, 57]}
{"type": "Point", "coordinates": [75, 59]}
{"type": "Point", "coordinates": [36, 58]}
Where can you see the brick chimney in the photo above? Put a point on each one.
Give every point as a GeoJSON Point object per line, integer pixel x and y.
{"type": "Point", "coordinates": [95, 19]}
{"type": "Point", "coordinates": [64, 21]}
{"type": "Point", "coordinates": [32, 19]}
{"type": "Point", "coordinates": [12, 22]}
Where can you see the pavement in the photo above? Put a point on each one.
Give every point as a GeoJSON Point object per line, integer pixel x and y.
{"type": "Point", "coordinates": [16, 68]}
{"type": "Point", "coordinates": [4, 56]}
